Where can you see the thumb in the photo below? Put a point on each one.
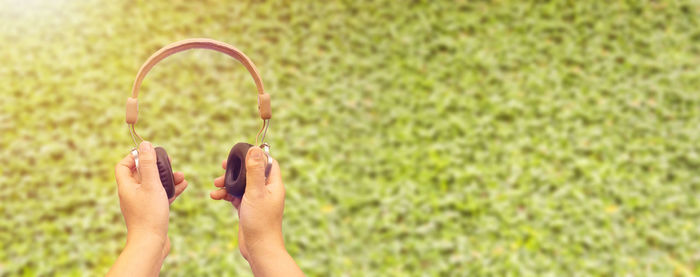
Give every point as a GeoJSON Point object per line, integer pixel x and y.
{"type": "Point", "coordinates": [255, 171]}
{"type": "Point", "coordinates": [147, 165]}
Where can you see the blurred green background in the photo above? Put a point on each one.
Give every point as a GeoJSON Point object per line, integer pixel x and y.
{"type": "Point", "coordinates": [415, 137]}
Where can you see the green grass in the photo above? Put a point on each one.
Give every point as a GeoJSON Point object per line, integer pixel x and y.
{"type": "Point", "coordinates": [415, 138]}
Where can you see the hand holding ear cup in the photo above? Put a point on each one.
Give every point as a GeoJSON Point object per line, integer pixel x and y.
{"type": "Point", "coordinates": [165, 171]}
{"type": "Point", "coordinates": [234, 180]}
{"type": "Point", "coordinates": [235, 177]}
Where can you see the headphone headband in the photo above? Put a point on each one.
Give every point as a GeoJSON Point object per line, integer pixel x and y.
{"type": "Point", "coordinates": [202, 43]}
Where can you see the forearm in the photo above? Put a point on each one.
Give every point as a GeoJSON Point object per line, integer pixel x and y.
{"type": "Point", "coordinates": [273, 261]}
{"type": "Point", "coordinates": [142, 256]}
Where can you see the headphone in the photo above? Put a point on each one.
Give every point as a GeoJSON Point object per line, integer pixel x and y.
{"type": "Point", "coordinates": [234, 180]}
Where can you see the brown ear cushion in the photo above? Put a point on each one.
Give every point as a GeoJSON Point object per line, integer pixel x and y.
{"type": "Point", "coordinates": [234, 180]}
{"type": "Point", "coordinates": [165, 171]}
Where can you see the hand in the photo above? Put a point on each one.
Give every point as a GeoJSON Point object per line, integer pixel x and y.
{"type": "Point", "coordinates": [260, 209]}
{"type": "Point", "coordinates": [144, 203]}
{"type": "Point", "coordinates": [260, 217]}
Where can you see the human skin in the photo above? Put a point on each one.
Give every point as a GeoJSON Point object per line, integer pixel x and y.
{"type": "Point", "coordinates": [260, 217]}
{"type": "Point", "coordinates": [146, 208]}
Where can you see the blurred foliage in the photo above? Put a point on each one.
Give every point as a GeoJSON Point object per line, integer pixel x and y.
{"type": "Point", "coordinates": [415, 137]}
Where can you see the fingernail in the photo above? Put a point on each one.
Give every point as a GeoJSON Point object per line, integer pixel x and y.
{"type": "Point", "coordinates": [146, 147]}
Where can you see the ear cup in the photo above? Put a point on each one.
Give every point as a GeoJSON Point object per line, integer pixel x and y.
{"type": "Point", "coordinates": [234, 180]}
{"type": "Point", "coordinates": [165, 171]}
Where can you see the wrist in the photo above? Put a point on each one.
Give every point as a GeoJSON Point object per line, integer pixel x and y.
{"type": "Point", "coordinates": [265, 250]}
{"type": "Point", "coordinates": [273, 261]}
{"type": "Point", "coordinates": [147, 242]}
{"type": "Point", "coordinates": [142, 256]}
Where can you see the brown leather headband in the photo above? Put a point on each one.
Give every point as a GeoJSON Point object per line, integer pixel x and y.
{"type": "Point", "coordinates": [203, 43]}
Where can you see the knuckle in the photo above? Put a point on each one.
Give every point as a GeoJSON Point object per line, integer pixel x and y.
{"type": "Point", "coordinates": [145, 166]}
{"type": "Point", "coordinates": [254, 164]}
{"type": "Point", "coordinates": [147, 159]}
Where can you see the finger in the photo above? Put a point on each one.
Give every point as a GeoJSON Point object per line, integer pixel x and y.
{"type": "Point", "coordinates": [150, 177]}
{"type": "Point", "coordinates": [166, 248]}
{"type": "Point", "coordinates": [218, 194]}
{"type": "Point", "coordinates": [255, 171]}
{"type": "Point", "coordinates": [241, 241]}
{"type": "Point", "coordinates": [234, 200]}
{"type": "Point", "coordinates": [179, 188]}
{"type": "Point", "coordinates": [229, 197]}
{"type": "Point", "coordinates": [223, 164]}
{"type": "Point", "coordinates": [178, 177]}
{"type": "Point", "coordinates": [219, 181]}
{"type": "Point", "coordinates": [123, 170]}
{"type": "Point", "coordinates": [274, 181]}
